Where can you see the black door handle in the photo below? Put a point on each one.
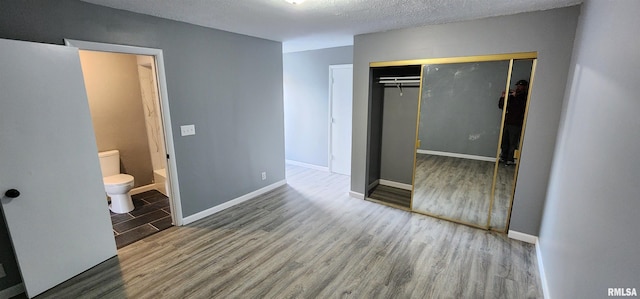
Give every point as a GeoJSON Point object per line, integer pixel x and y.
{"type": "Point", "coordinates": [12, 193]}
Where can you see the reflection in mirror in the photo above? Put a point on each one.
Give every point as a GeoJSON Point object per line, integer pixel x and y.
{"type": "Point", "coordinates": [510, 143]}
{"type": "Point", "coordinates": [458, 132]}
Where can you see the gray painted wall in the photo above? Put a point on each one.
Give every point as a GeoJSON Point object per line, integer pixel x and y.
{"type": "Point", "coordinates": [473, 125]}
{"type": "Point", "coordinates": [521, 71]}
{"type": "Point", "coordinates": [460, 111]}
{"type": "Point", "coordinates": [228, 85]}
{"type": "Point", "coordinates": [550, 33]}
{"type": "Point", "coordinates": [589, 238]}
{"type": "Point", "coordinates": [306, 102]}
{"type": "Point", "coordinates": [374, 144]}
{"type": "Point", "coordinates": [399, 118]}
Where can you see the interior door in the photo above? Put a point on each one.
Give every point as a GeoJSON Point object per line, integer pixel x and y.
{"type": "Point", "coordinates": [59, 223]}
{"type": "Point", "coordinates": [341, 108]}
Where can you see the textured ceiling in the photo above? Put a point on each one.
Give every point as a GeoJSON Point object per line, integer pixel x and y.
{"type": "Point", "coordinates": [325, 23]}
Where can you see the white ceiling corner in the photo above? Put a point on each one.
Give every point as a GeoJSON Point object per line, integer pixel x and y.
{"type": "Point", "coordinates": [318, 24]}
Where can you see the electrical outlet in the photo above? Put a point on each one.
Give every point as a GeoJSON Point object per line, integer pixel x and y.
{"type": "Point", "coordinates": [188, 130]}
{"type": "Point", "coordinates": [2, 273]}
{"type": "Point", "coordinates": [264, 175]}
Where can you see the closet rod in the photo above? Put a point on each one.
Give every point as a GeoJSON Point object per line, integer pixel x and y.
{"type": "Point", "coordinates": [400, 80]}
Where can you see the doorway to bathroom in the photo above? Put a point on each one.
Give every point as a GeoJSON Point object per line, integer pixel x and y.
{"type": "Point", "coordinates": [128, 107]}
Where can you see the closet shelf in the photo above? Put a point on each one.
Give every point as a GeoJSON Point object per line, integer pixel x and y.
{"type": "Point", "coordinates": [395, 81]}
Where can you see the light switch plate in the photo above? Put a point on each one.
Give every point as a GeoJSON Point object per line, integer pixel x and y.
{"type": "Point", "coordinates": [188, 130]}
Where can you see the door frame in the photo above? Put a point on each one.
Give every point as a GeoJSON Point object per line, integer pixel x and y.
{"type": "Point", "coordinates": [330, 112]}
{"type": "Point", "coordinates": [172, 174]}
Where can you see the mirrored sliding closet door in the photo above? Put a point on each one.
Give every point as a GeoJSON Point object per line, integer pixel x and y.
{"type": "Point", "coordinates": [464, 171]}
{"type": "Point", "coordinates": [461, 120]}
{"type": "Point", "coordinates": [458, 133]}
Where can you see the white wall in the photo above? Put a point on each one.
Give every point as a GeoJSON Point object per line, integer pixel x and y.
{"type": "Point", "coordinates": [590, 236]}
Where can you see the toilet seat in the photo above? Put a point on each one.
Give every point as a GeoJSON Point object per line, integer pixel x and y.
{"type": "Point", "coordinates": [118, 179]}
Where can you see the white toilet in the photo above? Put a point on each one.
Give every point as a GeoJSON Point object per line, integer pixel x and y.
{"type": "Point", "coordinates": [116, 184]}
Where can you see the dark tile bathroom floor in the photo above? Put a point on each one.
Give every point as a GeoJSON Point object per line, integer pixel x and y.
{"type": "Point", "coordinates": [151, 215]}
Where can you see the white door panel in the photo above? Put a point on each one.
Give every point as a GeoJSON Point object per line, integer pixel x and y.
{"type": "Point", "coordinates": [341, 110]}
{"type": "Point", "coordinates": [59, 225]}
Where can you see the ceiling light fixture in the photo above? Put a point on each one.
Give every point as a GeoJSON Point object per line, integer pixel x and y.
{"type": "Point", "coordinates": [295, 1]}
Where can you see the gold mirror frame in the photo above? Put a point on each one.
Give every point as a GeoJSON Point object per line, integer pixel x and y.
{"type": "Point", "coordinates": [469, 59]}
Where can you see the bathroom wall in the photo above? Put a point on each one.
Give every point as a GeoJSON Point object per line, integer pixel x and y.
{"type": "Point", "coordinates": [115, 100]}
{"type": "Point", "coordinates": [152, 113]}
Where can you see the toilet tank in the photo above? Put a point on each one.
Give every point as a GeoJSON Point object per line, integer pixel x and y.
{"type": "Point", "coordinates": [109, 162]}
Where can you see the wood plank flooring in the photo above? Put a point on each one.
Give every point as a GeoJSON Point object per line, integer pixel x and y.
{"type": "Point", "coordinates": [460, 189]}
{"type": "Point", "coordinates": [309, 239]}
{"type": "Point", "coordinates": [394, 196]}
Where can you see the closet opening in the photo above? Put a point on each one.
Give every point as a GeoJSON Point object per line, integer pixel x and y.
{"type": "Point", "coordinates": [394, 96]}
{"type": "Point", "coordinates": [444, 140]}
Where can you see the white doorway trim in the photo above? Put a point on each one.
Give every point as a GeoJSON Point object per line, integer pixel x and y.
{"type": "Point", "coordinates": [174, 197]}
{"type": "Point", "coordinates": [330, 113]}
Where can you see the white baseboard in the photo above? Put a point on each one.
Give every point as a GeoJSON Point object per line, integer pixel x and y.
{"type": "Point", "coordinates": [356, 195]}
{"type": "Point", "coordinates": [12, 291]}
{"type": "Point", "coordinates": [373, 184]}
{"type": "Point", "coordinates": [231, 203]}
{"type": "Point", "coordinates": [456, 155]}
{"type": "Point", "coordinates": [307, 165]}
{"type": "Point", "coordinates": [534, 240]}
{"type": "Point", "coordinates": [543, 276]}
{"type": "Point", "coordinates": [522, 237]}
{"type": "Point", "coordinates": [396, 184]}
{"type": "Point", "coordinates": [141, 189]}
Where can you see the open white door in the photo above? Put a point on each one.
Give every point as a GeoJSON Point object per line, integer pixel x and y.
{"type": "Point", "coordinates": [341, 109]}
{"type": "Point", "coordinates": [59, 224]}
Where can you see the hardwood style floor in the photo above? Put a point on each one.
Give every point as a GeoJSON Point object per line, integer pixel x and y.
{"type": "Point", "coordinates": [460, 189]}
{"type": "Point", "coordinates": [309, 239]}
{"type": "Point", "coordinates": [391, 195]}
{"type": "Point", "coordinates": [150, 215]}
